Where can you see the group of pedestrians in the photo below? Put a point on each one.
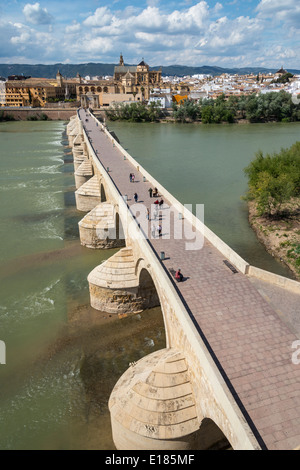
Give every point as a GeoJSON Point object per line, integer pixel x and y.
{"type": "Point", "coordinates": [153, 192]}
{"type": "Point", "coordinates": [156, 230]}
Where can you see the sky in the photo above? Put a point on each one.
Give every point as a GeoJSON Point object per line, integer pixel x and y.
{"type": "Point", "coordinates": [225, 33]}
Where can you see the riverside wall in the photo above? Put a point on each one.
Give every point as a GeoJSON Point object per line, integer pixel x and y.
{"type": "Point", "coordinates": [54, 114]}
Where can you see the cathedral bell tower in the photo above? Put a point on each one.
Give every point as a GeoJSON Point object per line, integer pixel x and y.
{"type": "Point", "coordinates": [59, 79]}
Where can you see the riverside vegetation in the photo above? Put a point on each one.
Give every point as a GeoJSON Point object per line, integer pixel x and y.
{"type": "Point", "coordinates": [274, 203]}
{"type": "Point", "coordinates": [4, 117]}
{"type": "Point", "coordinates": [273, 106]}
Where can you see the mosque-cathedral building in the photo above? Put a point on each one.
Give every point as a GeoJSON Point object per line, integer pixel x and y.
{"type": "Point", "coordinates": [129, 83]}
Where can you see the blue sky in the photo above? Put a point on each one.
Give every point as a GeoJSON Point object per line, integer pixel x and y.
{"type": "Point", "coordinates": [225, 33]}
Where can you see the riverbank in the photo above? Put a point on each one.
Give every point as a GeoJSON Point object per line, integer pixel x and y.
{"type": "Point", "coordinates": [281, 238]}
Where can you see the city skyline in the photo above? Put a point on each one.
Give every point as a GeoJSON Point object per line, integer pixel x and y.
{"type": "Point", "coordinates": [236, 33]}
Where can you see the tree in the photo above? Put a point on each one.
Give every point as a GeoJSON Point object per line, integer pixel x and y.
{"type": "Point", "coordinates": [154, 111]}
{"type": "Point", "coordinates": [274, 179]}
{"type": "Point", "coordinates": [271, 192]}
{"type": "Point", "coordinates": [207, 114]}
{"type": "Point", "coordinates": [187, 111]}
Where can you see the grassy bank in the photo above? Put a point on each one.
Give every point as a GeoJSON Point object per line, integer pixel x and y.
{"type": "Point", "coordinates": [280, 237]}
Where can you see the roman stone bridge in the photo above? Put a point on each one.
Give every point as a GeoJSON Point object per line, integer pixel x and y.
{"type": "Point", "coordinates": [230, 369]}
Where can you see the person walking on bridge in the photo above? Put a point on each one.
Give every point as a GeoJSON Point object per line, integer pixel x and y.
{"type": "Point", "coordinates": [159, 229]}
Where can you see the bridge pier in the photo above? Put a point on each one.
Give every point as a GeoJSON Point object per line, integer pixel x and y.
{"type": "Point", "coordinates": [115, 288]}
{"type": "Point", "coordinates": [73, 130]}
{"type": "Point", "coordinates": [78, 154]}
{"type": "Point", "coordinates": [78, 159]}
{"type": "Point", "coordinates": [152, 405]}
{"type": "Point", "coordinates": [100, 228]}
{"type": "Point", "coordinates": [78, 141]}
{"type": "Point", "coordinates": [83, 173]}
{"type": "Point", "coordinates": [88, 195]}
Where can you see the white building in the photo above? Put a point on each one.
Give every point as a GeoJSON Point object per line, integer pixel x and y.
{"type": "Point", "coordinates": [163, 99]}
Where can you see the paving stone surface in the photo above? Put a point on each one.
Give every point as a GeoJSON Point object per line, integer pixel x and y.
{"type": "Point", "coordinates": [249, 340]}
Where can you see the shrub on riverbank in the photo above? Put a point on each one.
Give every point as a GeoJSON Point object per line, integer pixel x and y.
{"type": "Point", "coordinates": [207, 110]}
{"type": "Point", "coordinates": [37, 117]}
{"type": "Point", "coordinates": [6, 117]}
{"type": "Point", "coordinates": [274, 180]}
{"type": "Point", "coordinates": [134, 112]}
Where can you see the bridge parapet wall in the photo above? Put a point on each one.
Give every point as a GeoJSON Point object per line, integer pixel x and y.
{"type": "Point", "coordinates": [275, 279]}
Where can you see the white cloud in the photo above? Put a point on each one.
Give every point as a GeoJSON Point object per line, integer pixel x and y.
{"type": "Point", "coordinates": [73, 28]}
{"type": "Point", "coordinates": [271, 7]}
{"type": "Point", "coordinates": [101, 17]}
{"type": "Point", "coordinates": [192, 19]}
{"type": "Point", "coordinates": [218, 7]}
{"type": "Point", "coordinates": [89, 48]}
{"type": "Point", "coordinates": [150, 18]}
{"type": "Point", "coordinates": [226, 36]}
{"type": "Point", "coordinates": [37, 15]}
{"type": "Point", "coordinates": [282, 53]}
{"type": "Point", "coordinates": [287, 12]}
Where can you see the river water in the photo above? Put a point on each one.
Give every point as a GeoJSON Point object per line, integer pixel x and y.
{"type": "Point", "coordinates": [63, 357]}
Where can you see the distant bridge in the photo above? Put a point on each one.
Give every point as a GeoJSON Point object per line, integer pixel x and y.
{"type": "Point", "coordinates": [227, 372]}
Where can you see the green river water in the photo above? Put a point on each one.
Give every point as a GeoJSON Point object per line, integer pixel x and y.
{"type": "Point", "coordinates": [63, 357]}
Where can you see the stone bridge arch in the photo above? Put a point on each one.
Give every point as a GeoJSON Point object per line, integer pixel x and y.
{"type": "Point", "coordinates": [211, 437]}
{"type": "Point", "coordinates": [148, 286]}
{"type": "Point", "coordinates": [103, 196]}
